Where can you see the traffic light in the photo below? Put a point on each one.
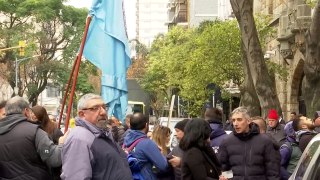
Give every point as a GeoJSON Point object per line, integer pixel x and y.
{"type": "Point", "coordinates": [22, 45]}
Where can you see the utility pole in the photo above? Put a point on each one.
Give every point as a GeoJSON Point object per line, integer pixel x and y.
{"type": "Point", "coordinates": [17, 63]}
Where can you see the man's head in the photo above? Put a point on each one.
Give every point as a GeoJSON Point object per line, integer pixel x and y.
{"type": "Point", "coordinates": [240, 120]}
{"type": "Point", "coordinates": [92, 108]}
{"type": "Point", "coordinates": [213, 115]}
{"type": "Point", "coordinates": [261, 123]}
{"type": "Point", "coordinates": [303, 123]}
{"type": "Point", "coordinates": [2, 109]}
{"type": "Point", "coordinates": [114, 121]}
{"type": "Point", "coordinates": [317, 119]}
{"type": "Point", "coordinates": [139, 122]}
{"type": "Point", "coordinates": [273, 118]}
{"type": "Point", "coordinates": [18, 105]}
{"type": "Point", "coordinates": [179, 128]}
{"type": "Point", "coordinates": [293, 115]}
{"type": "Point", "coordinates": [127, 121]}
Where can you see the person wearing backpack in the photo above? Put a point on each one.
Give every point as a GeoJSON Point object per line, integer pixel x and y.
{"type": "Point", "coordinates": [290, 152]}
{"type": "Point", "coordinates": [145, 152]}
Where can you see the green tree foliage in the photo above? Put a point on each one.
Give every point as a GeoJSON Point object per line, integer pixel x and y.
{"type": "Point", "coordinates": [51, 30]}
{"type": "Point", "coordinates": [190, 59]}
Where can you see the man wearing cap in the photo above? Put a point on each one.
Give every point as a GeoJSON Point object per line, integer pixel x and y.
{"type": "Point", "coordinates": [275, 129]}
{"type": "Point", "coordinates": [176, 153]}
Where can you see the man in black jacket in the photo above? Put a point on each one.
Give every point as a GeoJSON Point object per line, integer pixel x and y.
{"type": "Point", "coordinates": [249, 154]}
{"type": "Point", "coordinates": [26, 151]}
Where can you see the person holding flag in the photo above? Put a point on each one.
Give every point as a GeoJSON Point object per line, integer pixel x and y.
{"type": "Point", "coordinates": [89, 152]}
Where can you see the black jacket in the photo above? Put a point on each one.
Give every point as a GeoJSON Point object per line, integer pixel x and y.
{"type": "Point", "coordinates": [176, 151]}
{"type": "Point", "coordinates": [25, 149]}
{"type": "Point", "coordinates": [200, 164]}
{"type": "Point", "coordinates": [251, 156]}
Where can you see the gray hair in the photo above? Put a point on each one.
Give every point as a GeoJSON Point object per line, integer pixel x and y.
{"type": "Point", "coordinates": [16, 105]}
{"type": "Point", "coordinates": [243, 111]}
{"type": "Point", "coordinates": [82, 103]}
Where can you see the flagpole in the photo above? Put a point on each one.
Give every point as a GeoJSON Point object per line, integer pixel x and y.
{"type": "Point", "coordinates": [66, 92]}
{"type": "Point", "coordinates": [75, 74]}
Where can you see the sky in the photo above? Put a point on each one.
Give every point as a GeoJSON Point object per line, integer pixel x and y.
{"type": "Point", "coordinates": [130, 9]}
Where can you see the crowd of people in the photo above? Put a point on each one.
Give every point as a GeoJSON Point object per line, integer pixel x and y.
{"type": "Point", "coordinates": [101, 147]}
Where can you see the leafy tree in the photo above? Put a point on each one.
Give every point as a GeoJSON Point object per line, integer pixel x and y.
{"type": "Point", "coordinates": [49, 27]}
{"type": "Point", "coordinates": [190, 59]}
{"type": "Point", "coordinates": [154, 79]}
{"type": "Point", "coordinates": [255, 66]}
{"type": "Point", "coordinates": [311, 82]}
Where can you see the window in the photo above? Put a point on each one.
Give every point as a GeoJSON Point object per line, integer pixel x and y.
{"type": "Point", "coordinates": [52, 91]}
{"type": "Point", "coordinates": [307, 159]}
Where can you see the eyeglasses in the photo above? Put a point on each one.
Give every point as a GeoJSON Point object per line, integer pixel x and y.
{"type": "Point", "coordinates": [97, 107]}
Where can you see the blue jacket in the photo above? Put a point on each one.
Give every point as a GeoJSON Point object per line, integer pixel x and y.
{"type": "Point", "coordinates": [216, 136]}
{"type": "Point", "coordinates": [147, 152]}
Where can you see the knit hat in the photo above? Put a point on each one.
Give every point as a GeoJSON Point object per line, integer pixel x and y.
{"type": "Point", "coordinates": [181, 124]}
{"type": "Point", "coordinates": [273, 114]}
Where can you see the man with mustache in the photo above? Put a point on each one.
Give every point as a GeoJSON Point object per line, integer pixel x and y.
{"type": "Point", "coordinates": [90, 152]}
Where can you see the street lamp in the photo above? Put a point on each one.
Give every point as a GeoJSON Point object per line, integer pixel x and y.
{"type": "Point", "coordinates": [17, 62]}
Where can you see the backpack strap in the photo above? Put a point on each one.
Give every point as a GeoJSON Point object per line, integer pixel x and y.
{"type": "Point", "coordinates": [134, 144]}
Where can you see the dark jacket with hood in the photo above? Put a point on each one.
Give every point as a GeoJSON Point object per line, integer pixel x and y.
{"type": "Point", "coordinates": [277, 133]}
{"type": "Point", "coordinates": [303, 137]}
{"type": "Point", "coordinates": [90, 153]}
{"type": "Point", "coordinates": [250, 156]}
{"type": "Point", "coordinates": [217, 134]}
{"type": "Point", "coordinates": [25, 150]}
{"type": "Point", "coordinates": [147, 152]}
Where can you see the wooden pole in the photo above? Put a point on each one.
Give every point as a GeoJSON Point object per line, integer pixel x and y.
{"type": "Point", "coordinates": [171, 109]}
{"type": "Point", "coordinates": [75, 74]}
{"type": "Point", "coordinates": [67, 91]}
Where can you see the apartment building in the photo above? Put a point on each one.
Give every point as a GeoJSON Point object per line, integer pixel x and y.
{"type": "Point", "coordinates": [192, 12]}
{"type": "Point", "coordinates": [151, 20]}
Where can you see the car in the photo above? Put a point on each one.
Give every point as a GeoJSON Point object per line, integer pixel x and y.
{"type": "Point", "coordinates": [308, 167]}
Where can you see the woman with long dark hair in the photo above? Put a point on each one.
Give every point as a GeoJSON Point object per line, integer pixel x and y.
{"type": "Point", "coordinates": [199, 161]}
{"type": "Point", "coordinates": [41, 117]}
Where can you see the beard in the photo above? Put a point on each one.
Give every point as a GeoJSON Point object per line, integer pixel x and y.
{"type": "Point", "coordinates": [311, 126]}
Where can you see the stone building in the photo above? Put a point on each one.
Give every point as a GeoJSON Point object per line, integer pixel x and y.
{"type": "Point", "coordinates": [291, 18]}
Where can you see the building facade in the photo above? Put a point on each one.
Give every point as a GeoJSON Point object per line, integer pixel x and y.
{"type": "Point", "coordinates": [151, 20]}
{"type": "Point", "coordinates": [192, 12]}
{"type": "Point", "coordinates": [202, 10]}
{"type": "Point", "coordinates": [291, 19]}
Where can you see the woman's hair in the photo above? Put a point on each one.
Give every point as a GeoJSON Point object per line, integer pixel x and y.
{"type": "Point", "coordinates": [160, 135]}
{"type": "Point", "coordinates": [196, 134]}
{"type": "Point", "coordinates": [45, 123]}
